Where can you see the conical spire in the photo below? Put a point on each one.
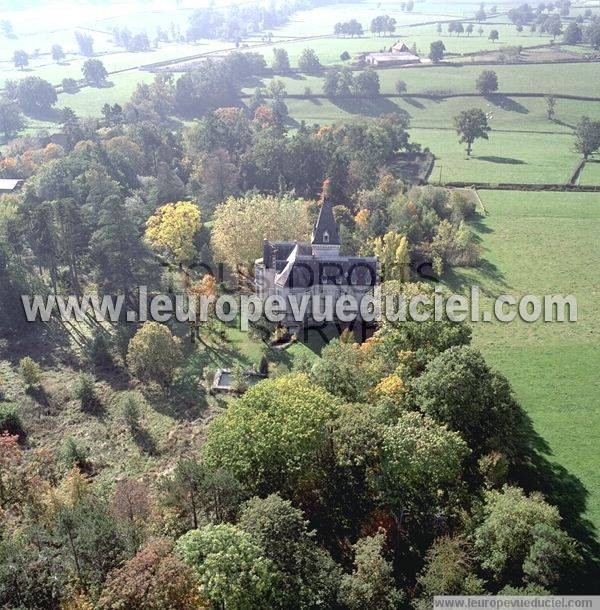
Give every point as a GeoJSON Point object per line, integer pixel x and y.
{"type": "Point", "coordinates": [325, 231]}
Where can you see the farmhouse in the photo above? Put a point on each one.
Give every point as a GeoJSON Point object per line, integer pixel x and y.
{"type": "Point", "coordinates": [317, 269]}
{"type": "Point", "coordinates": [399, 54]}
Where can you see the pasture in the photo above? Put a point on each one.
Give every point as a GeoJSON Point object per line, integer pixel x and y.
{"type": "Point", "coordinates": [567, 79]}
{"type": "Point", "coordinates": [523, 146]}
{"type": "Point", "coordinates": [328, 49]}
{"type": "Point", "coordinates": [540, 243]}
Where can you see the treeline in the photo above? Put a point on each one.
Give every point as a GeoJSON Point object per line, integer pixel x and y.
{"type": "Point", "coordinates": [122, 37]}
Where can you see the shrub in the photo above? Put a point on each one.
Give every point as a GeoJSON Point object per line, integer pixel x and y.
{"type": "Point", "coordinates": [73, 454]}
{"type": "Point", "coordinates": [85, 390]}
{"type": "Point", "coordinates": [154, 353]}
{"type": "Point", "coordinates": [10, 420]}
{"type": "Point", "coordinates": [463, 207]}
{"type": "Point", "coordinates": [99, 349]}
{"type": "Point", "coordinates": [30, 372]}
{"type": "Point", "coordinates": [69, 85]}
{"type": "Point", "coordinates": [130, 410]}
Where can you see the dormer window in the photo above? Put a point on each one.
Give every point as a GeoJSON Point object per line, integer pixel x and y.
{"type": "Point", "coordinates": [325, 237]}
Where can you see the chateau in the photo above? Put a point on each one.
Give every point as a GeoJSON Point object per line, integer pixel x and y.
{"type": "Point", "coordinates": [317, 269]}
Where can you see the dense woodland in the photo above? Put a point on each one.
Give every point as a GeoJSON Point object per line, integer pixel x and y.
{"type": "Point", "coordinates": [374, 477]}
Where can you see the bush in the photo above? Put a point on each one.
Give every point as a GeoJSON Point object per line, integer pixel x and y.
{"type": "Point", "coordinates": [10, 420]}
{"type": "Point", "coordinates": [154, 353]}
{"type": "Point", "coordinates": [99, 349]}
{"type": "Point", "coordinates": [30, 372]}
{"type": "Point", "coordinates": [463, 207]}
{"type": "Point", "coordinates": [85, 391]}
{"type": "Point", "coordinates": [70, 85]}
{"type": "Point", "coordinates": [73, 454]}
{"type": "Point", "coordinates": [130, 410]}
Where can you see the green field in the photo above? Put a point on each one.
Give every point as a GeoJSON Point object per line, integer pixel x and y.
{"type": "Point", "coordinates": [329, 49]}
{"type": "Point", "coordinates": [568, 79]}
{"type": "Point", "coordinates": [115, 60]}
{"type": "Point", "coordinates": [540, 243]}
{"type": "Point", "coordinates": [591, 172]}
{"type": "Point", "coordinates": [89, 100]}
{"type": "Point", "coordinates": [523, 146]}
{"type": "Point", "coordinates": [505, 157]}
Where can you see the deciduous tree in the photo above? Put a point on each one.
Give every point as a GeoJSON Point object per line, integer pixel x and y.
{"type": "Point", "coordinates": [436, 51]}
{"type": "Point", "coordinates": [471, 125]}
{"type": "Point", "coordinates": [242, 224]}
{"type": "Point", "coordinates": [271, 437]}
{"type": "Point", "coordinates": [172, 229]}
{"type": "Point", "coordinates": [371, 585]}
{"type": "Point", "coordinates": [230, 566]}
{"type": "Point", "coordinates": [487, 82]}
{"type": "Point", "coordinates": [11, 119]}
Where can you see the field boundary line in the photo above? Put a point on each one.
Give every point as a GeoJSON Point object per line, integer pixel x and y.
{"type": "Point", "coordinates": [480, 201]}
{"type": "Point", "coordinates": [509, 186]}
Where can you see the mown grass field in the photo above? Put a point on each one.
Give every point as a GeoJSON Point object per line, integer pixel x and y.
{"type": "Point", "coordinates": [567, 79]}
{"type": "Point", "coordinates": [523, 146]}
{"type": "Point", "coordinates": [506, 157]}
{"type": "Point", "coordinates": [591, 172]}
{"type": "Point", "coordinates": [329, 49]}
{"type": "Point", "coordinates": [542, 243]}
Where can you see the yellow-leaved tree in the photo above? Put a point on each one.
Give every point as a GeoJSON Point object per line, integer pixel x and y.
{"type": "Point", "coordinates": [394, 256]}
{"type": "Point", "coordinates": [242, 224]}
{"type": "Point", "coordinates": [172, 230]}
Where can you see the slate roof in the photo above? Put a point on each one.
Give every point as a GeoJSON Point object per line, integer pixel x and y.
{"type": "Point", "coordinates": [326, 225]}
{"type": "Point", "coordinates": [299, 265]}
{"type": "Point", "coordinates": [308, 271]}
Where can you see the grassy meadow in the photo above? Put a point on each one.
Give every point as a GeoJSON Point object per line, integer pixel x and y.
{"type": "Point", "coordinates": [540, 243]}
{"type": "Point", "coordinates": [566, 79]}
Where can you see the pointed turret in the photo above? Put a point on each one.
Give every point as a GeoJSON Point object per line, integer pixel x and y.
{"type": "Point", "coordinates": [325, 231]}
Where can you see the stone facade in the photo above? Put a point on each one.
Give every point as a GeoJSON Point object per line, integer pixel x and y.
{"type": "Point", "coordinates": [317, 269]}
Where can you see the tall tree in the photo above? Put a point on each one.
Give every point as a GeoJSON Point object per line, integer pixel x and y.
{"type": "Point", "coordinates": [173, 229]}
{"type": "Point", "coordinates": [94, 72]}
{"type": "Point", "coordinates": [587, 136]}
{"type": "Point", "coordinates": [394, 257]}
{"type": "Point", "coordinates": [230, 566]}
{"type": "Point", "coordinates": [281, 61]}
{"type": "Point", "coordinates": [309, 62]}
{"type": "Point", "coordinates": [57, 53]}
{"type": "Point", "coordinates": [35, 94]}
{"type": "Point", "coordinates": [487, 82]}
{"type": "Point", "coordinates": [117, 249]}
{"type": "Point", "coordinates": [371, 585]}
{"type": "Point", "coordinates": [471, 125]}
{"type": "Point", "coordinates": [437, 49]}
{"type": "Point", "coordinates": [11, 119]}
{"type": "Point", "coordinates": [20, 59]}
{"type": "Point", "coordinates": [241, 225]}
